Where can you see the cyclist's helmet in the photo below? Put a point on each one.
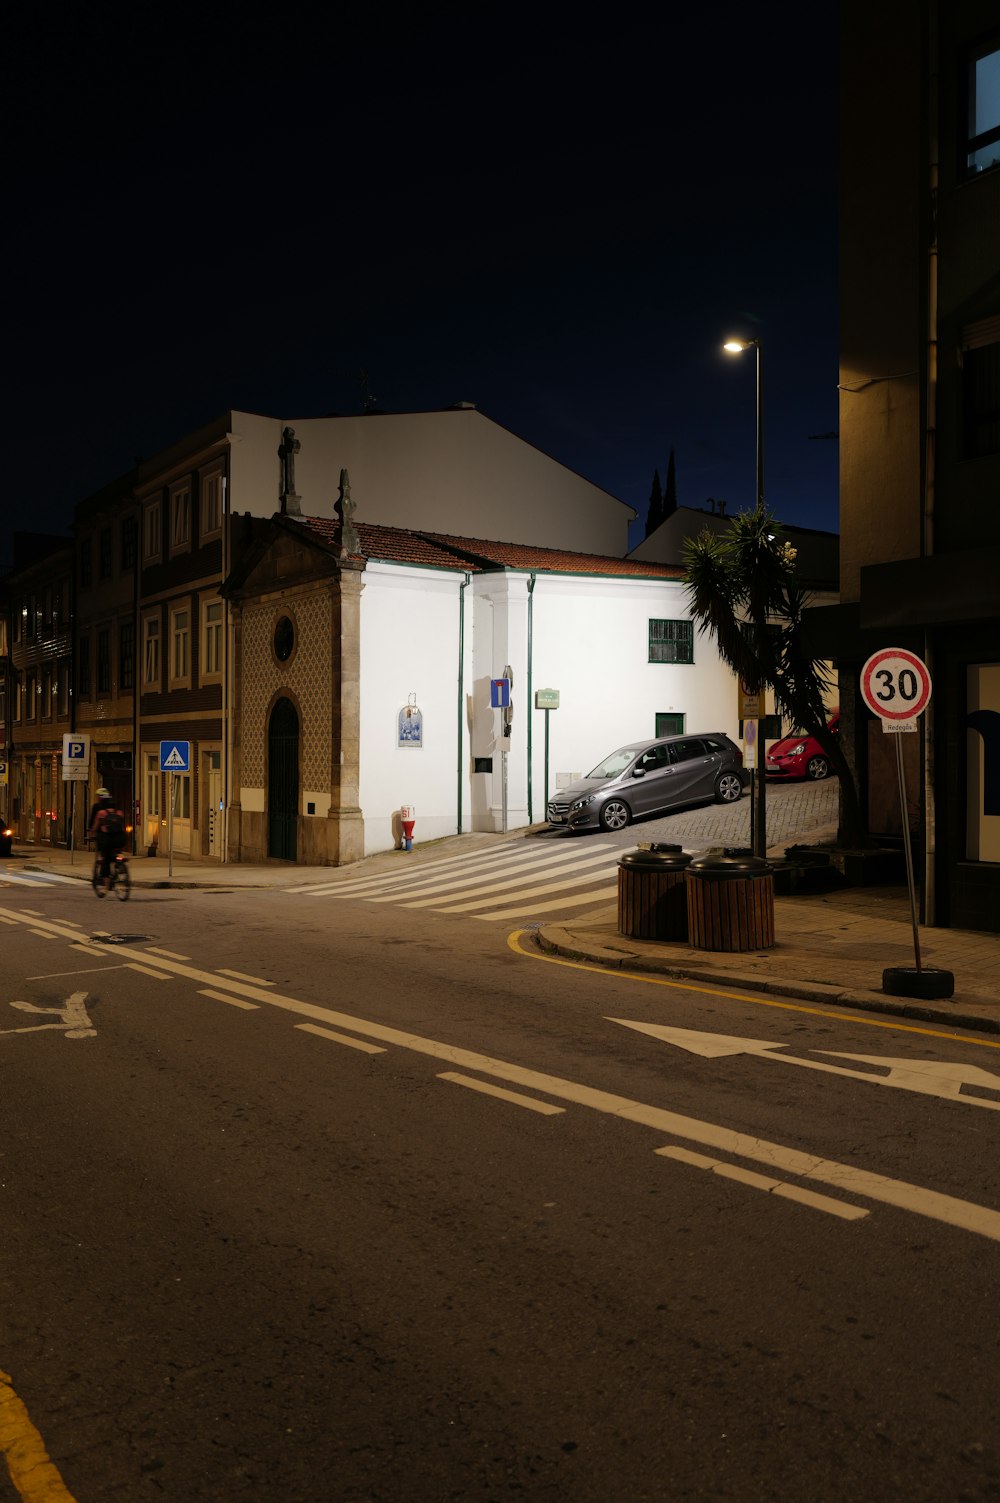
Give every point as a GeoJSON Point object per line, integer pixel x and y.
{"type": "Point", "coordinates": [103, 793]}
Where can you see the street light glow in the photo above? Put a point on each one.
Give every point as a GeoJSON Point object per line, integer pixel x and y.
{"type": "Point", "coordinates": [734, 346]}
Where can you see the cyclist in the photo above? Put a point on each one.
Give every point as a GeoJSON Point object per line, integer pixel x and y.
{"type": "Point", "coordinates": [107, 829]}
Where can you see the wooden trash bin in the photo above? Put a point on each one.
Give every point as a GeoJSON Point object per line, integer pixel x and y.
{"type": "Point", "coordinates": [651, 900]}
{"type": "Point", "coordinates": [730, 903]}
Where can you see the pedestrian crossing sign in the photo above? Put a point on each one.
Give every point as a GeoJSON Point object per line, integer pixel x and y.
{"type": "Point", "coordinates": [175, 756]}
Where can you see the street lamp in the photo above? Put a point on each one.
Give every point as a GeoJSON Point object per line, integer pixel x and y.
{"type": "Point", "coordinates": [758, 806]}
{"type": "Point", "coordinates": [737, 347]}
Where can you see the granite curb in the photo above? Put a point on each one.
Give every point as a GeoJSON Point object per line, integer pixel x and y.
{"type": "Point", "coordinates": [555, 941]}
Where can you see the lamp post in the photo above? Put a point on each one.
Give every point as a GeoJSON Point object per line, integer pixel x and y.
{"type": "Point", "coordinates": [758, 806]}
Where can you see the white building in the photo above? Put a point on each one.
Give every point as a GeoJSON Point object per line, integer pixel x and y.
{"type": "Point", "coordinates": [393, 639]}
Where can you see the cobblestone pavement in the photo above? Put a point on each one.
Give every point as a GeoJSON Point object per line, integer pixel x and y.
{"type": "Point", "coordinates": [794, 810]}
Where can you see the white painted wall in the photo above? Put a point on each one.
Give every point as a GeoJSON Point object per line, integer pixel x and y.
{"type": "Point", "coordinates": [590, 640]}
{"type": "Point", "coordinates": [453, 471]}
{"type": "Point", "coordinates": [409, 645]}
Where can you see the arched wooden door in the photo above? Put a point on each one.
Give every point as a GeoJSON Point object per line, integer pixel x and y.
{"type": "Point", "coordinates": [283, 781]}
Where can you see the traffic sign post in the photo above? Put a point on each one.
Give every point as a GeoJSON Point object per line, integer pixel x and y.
{"type": "Point", "coordinates": [896, 686]}
{"type": "Point", "coordinates": [175, 757]}
{"type": "Point", "coordinates": [547, 700]}
{"type": "Point", "coordinates": [500, 700]}
{"type": "Point", "coordinates": [75, 769]}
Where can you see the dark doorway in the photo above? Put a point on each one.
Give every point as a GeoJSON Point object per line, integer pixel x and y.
{"type": "Point", "coordinates": [283, 781]}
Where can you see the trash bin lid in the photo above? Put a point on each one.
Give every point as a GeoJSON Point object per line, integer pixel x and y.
{"type": "Point", "coordinates": [720, 868]}
{"type": "Point", "coordinates": [659, 858]}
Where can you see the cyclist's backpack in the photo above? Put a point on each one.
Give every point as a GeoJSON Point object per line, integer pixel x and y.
{"type": "Point", "coordinates": [113, 825]}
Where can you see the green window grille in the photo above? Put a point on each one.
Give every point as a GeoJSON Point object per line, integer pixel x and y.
{"type": "Point", "coordinates": [669, 724]}
{"type": "Point", "coordinates": [671, 642]}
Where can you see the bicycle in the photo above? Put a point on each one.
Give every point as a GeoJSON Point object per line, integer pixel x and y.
{"type": "Point", "coordinates": [119, 881]}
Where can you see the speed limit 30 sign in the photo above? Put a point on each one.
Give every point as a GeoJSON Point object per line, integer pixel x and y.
{"type": "Point", "coordinates": [896, 686]}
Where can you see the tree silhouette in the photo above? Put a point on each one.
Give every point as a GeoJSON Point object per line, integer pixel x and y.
{"type": "Point", "coordinates": [743, 591]}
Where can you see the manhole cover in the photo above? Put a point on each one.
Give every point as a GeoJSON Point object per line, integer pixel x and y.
{"type": "Point", "coordinates": [117, 939]}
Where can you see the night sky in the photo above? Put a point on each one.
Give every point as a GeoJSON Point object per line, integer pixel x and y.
{"type": "Point", "coordinates": [558, 218]}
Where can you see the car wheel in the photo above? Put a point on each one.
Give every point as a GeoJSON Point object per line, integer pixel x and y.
{"type": "Point", "coordinates": [615, 815]}
{"type": "Point", "coordinates": [728, 787]}
{"type": "Point", "coordinates": [818, 767]}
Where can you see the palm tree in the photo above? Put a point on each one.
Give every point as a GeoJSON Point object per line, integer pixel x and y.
{"type": "Point", "coordinates": [743, 591]}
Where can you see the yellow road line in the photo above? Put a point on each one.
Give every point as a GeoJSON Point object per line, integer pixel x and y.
{"type": "Point", "coordinates": [31, 1471]}
{"type": "Point", "coordinates": [734, 996]}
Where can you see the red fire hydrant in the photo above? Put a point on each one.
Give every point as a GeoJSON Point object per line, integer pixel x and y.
{"type": "Point", "coordinates": [408, 818]}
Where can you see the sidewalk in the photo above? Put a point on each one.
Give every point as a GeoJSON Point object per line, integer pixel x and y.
{"type": "Point", "coordinates": [831, 948]}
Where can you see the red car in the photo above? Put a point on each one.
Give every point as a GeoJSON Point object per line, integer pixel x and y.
{"type": "Point", "coordinates": [801, 756]}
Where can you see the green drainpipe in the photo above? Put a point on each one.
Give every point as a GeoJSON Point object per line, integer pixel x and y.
{"type": "Point", "coordinates": [531, 621]}
{"type": "Point", "coordinates": [461, 688]}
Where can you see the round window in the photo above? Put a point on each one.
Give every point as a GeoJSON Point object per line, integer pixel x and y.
{"type": "Point", "coordinates": [284, 639]}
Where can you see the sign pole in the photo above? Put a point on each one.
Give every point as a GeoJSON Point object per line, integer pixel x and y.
{"type": "Point", "coordinates": [547, 714]}
{"type": "Point", "coordinates": [170, 826]}
{"type": "Point", "coordinates": [907, 847]}
{"type": "Point", "coordinates": [503, 757]}
{"type": "Point", "coordinates": [72, 821]}
{"type": "Point", "coordinates": [896, 686]}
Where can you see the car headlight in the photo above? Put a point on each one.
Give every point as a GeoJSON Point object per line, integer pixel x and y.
{"type": "Point", "coordinates": [580, 803]}
{"type": "Point", "coordinates": [797, 751]}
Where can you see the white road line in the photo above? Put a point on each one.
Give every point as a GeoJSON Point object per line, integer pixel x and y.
{"type": "Point", "coordinates": [499, 860]}
{"type": "Point", "coordinates": [507, 884]}
{"type": "Point", "coordinates": [233, 1001]}
{"type": "Point", "coordinates": [33, 912]}
{"type": "Point", "coordinates": [43, 934]}
{"type": "Point", "coordinates": [429, 878]}
{"type": "Point", "coordinates": [545, 1108]}
{"type": "Point", "coordinates": [602, 895]}
{"type": "Point", "coordinates": [167, 954]}
{"type": "Point", "coordinates": [88, 970]}
{"type": "Point", "coordinates": [762, 1182]}
{"type": "Point", "coordinates": [408, 872]}
{"type": "Point", "coordinates": [34, 879]}
{"type": "Point", "coordinates": [134, 965]}
{"type": "Point", "coordinates": [236, 975]}
{"type": "Point", "coordinates": [4, 920]}
{"type": "Point", "coordinates": [917, 1199]}
{"type": "Point", "coordinates": [341, 1038]}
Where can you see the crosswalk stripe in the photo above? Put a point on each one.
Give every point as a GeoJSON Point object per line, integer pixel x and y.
{"type": "Point", "coordinates": [402, 877]}
{"type": "Point", "coordinates": [414, 879]}
{"type": "Point", "coordinates": [484, 857]}
{"type": "Point", "coordinates": [529, 892]}
{"type": "Point", "coordinates": [603, 895]}
{"type": "Point", "coordinates": [33, 879]}
{"type": "Point", "coordinates": [450, 890]}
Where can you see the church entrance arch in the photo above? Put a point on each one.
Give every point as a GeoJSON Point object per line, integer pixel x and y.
{"type": "Point", "coordinates": [283, 781]}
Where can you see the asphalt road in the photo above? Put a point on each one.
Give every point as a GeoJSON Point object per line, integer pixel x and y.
{"type": "Point", "coordinates": [332, 1202]}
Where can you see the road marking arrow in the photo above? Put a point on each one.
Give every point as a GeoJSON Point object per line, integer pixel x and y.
{"type": "Point", "coordinates": [929, 1077]}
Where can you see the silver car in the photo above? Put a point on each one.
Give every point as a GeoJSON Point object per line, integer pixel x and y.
{"type": "Point", "coordinates": [649, 777]}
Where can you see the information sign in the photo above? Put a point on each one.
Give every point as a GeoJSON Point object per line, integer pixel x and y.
{"type": "Point", "coordinates": [76, 758]}
{"type": "Point", "coordinates": [175, 756]}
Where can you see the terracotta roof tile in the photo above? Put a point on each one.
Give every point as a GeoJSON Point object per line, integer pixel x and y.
{"type": "Point", "coordinates": [450, 551]}
{"type": "Point", "coordinates": [555, 560]}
